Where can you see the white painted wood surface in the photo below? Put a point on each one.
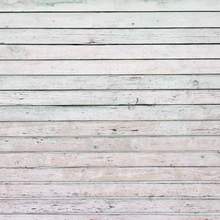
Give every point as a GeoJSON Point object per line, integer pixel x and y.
{"type": "Point", "coordinates": [109, 36]}
{"type": "Point", "coordinates": [110, 20]}
{"type": "Point", "coordinates": [57, 113]}
{"type": "Point", "coordinates": [138, 82]}
{"type": "Point", "coordinates": [110, 128]}
{"type": "Point", "coordinates": [106, 5]}
{"type": "Point", "coordinates": [100, 67]}
{"type": "Point", "coordinates": [110, 97]}
{"type": "Point", "coordinates": [109, 110]}
{"type": "Point", "coordinates": [111, 144]}
{"type": "Point", "coordinates": [68, 52]}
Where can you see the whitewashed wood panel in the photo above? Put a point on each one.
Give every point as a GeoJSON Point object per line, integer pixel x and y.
{"type": "Point", "coordinates": [70, 113]}
{"type": "Point", "coordinates": [153, 174]}
{"type": "Point", "coordinates": [110, 144]}
{"type": "Point", "coordinates": [106, 5]}
{"type": "Point", "coordinates": [110, 20]}
{"type": "Point", "coordinates": [17, 52]}
{"type": "Point", "coordinates": [110, 128]}
{"type": "Point", "coordinates": [110, 82]}
{"type": "Point", "coordinates": [104, 97]}
{"type": "Point", "coordinates": [105, 189]}
{"type": "Point", "coordinates": [74, 67]}
{"type": "Point", "coordinates": [51, 160]}
{"type": "Point", "coordinates": [112, 217]}
{"type": "Point", "coordinates": [108, 206]}
{"type": "Point", "coordinates": [109, 36]}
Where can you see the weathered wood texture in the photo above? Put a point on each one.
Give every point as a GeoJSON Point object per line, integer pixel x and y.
{"type": "Point", "coordinates": [110, 20]}
{"type": "Point", "coordinates": [66, 52]}
{"type": "Point", "coordinates": [110, 128]}
{"type": "Point", "coordinates": [109, 110]}
{"type": "Point", "coordinates": [109, 36]}
{"type": "Point", "coordinates": [58, 113]}
{"type": "Point", "coordinates": [112, 82]}
{"type": "Point", "coordinates": [106, 5]}
{"type": "Point", "coordinates": [104, 97]}
{"type": "Point", "coordinates": [110, 144]}
{"type": "Point", "coordinates": [205, 216]}
{"type": "Point", "coordinates": [100, 67]}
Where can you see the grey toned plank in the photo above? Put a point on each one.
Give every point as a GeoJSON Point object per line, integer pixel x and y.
{"type": "Point", "coordinates": [112, 174]}
{"type": "Point", "coordinates": [8, 52]}
{"type": "Point", "coordinates": [104, 97]}
{"type": "Point", "coordinates": [51, 160]}
{"type": "Point", "coordinates": [109, 82]}
{"type": "Point", "coordinates": [110, 128]}
{"type": "Point", "coordinates": [110, 20]}
{"type": "Point", "coordinates": [109, 36]}
{"type": "Point", "coordinates": [105, 5]}
{"type": "Point", "coordinates": [109, 144]}
{"type": "Point", "coordinates": [131, 189]}
{"type": "Point", "coordinates": [110, 67]}
{"type": "Point", "coordinates": [66, 113]}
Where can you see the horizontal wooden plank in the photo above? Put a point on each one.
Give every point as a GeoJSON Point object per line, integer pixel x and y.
{"type": "Point", "coordinates": [110, 20]}
{"type": "Point", "coordinates": [109, 36]}
{"type": "Point", "coordinates": [117, 97]}
{"type": "Point", "coordinates": [51, 52]}
{"type": "Point", "coordinates": [109, 144]}
{"type": "Point", "coordinates": [110, 128]}
{"type": "Point", "coordinates": [51, 160]}
{"type": "Point", "coordinates": [111, 217]}
{"type": "Point", "coordinates": [109, 82]}
{"type": "Point", "coordinates": [105, 5]}
{"type": "Point", "coordinates": [66, 113]}
{"type": "Point", "coordinates": [75, 67]}
{"type": "Point", "coordinates": [112, 174]}
{"type": "Point", "coordinates": [124, 206]}
{"type": "Point", "coordinates": [131, 189]}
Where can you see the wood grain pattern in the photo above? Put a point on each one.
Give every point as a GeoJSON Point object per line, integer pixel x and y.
{"type": "Point", "coordinates": [109, 110]}
{"type": "Point", "coordinates": [111, 174]}
{"type": "Point", "coordinates": [50, 52]}
{"type": "Point", "coordinates": [109, 82]}
{"type": "Point", "coordinates": [70, 190]}
{"type": "Point", "coordinates": [107, 206]}
{"type": "Point", "coordinates": [67, 113]}
{"type": "Point", "coordinates": [105, 5]}
{"type": "Point", "coordinates": [109, 36]}
{"type": "Point", "coordinates": [110, 20]}
{"type": "Point", "coordinates": [111, 217]}
{"type": "Point", "coordinates": [110, 128]}
{"type": "Point", "coordinates": [100, 67]}
{"type": "Point", "coordinates": [51, 160]}
{"type": "Point", "coordinates": [104, 97]}
{"type": "Point", "coordinates": [110, 144]}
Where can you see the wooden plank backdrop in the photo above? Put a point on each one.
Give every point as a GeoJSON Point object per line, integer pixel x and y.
{"type": "Point", "coordinates": [109, 110]}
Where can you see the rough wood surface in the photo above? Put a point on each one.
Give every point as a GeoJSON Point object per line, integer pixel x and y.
{"type": "Point", "coordinates": [110, 20]}
{"type": "Point", "coordinates": [109, 36]}
{"type": "Point", "coordinates": [66, 52]}
{"type": "Point", "coordinates": [69, 113]}
{"type": "Point", "coordinates": [109, 110]}
{"type": "Point", "coordinates": [109, 82]}
{"type": "Point", "coordinates": [51, 160]}
{"type": "Point", "coordinates": [110, 144]}
{"type": "Point", "coordinates": [112, 190]}
{"type": "Point", "coordinates": [106, 5]}
{"type": "Point", "coordinates": [104, 97]}
{"type": "Point", "coordinates": [111, 174]}
{"type": "Point", "coordinates": [112, 217]}
{"type": "Point", "coordinates": [100, 67]}
{"type": "Point", "coordinates": [110, 128]}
